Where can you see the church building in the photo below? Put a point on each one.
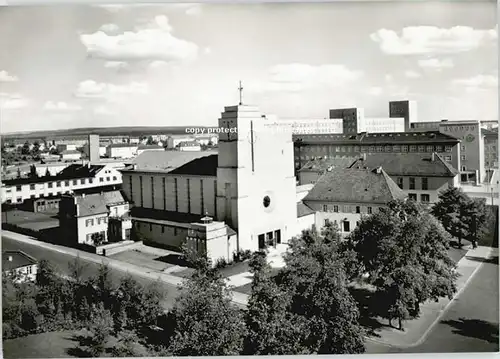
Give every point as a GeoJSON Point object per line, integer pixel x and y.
{"type": "Point", "coordinates": [242, 197]}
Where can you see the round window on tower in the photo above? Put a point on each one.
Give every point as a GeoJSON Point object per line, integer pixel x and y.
{"type": "Point", "coordinates": [266, 201]}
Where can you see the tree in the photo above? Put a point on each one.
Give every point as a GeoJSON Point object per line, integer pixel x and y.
{"type": "Point", "coordinates": [205, 322]}
{"type": "Point", "coordinates": [49, 289]}
{"type": "Point", "coordinates": [272, 328]}
{"type": "Point", "coordinates": [97, 238]}
{"type": "Point", "coordinates": [150, 141]}
{"type": "Point", "coordinates": [451, 212]}
{"type": "Point", "coordinates": [100, 330]}
{"type": "Point", "coordinates": [128, 346]}
{"type": "Point", "coordinates": [18, 172]}
{"type": "Point", "coordinates": [316, 280]}
{"type": "Point", "coordinates": [36, 148]}
{"type": "Point", "coordinates": [403, 248]}
{"type": "Point", "coordinates": [25, 150]}
{"type": "Point", "coordinates": [33, 172]}
{"type": "Point", "coordinates": [475, 218]}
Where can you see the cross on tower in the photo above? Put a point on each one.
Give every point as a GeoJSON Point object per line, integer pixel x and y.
{"type": "Point", "coordinates": [240, 89]}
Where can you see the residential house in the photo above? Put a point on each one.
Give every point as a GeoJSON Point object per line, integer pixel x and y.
{"type": "Point", "coordinates": [121, 150]}
{"type": "Point", "coordinates": [342, 196]}
{"type": "Point", "coordinates": [71, 155]}
{"type": "Point", "coordinates": [95, 219]}
{"type": "Point", "coordinates": [144, 148]}
{"type": "Point", "coordinates": [23, 266]}
{"type": "Point", "coordinates": [421, 176]}
{"type": "Point", "coordinates": [189, 146]}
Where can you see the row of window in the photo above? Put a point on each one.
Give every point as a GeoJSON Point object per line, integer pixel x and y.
{"type": "Point", "coordinates": [345, 227]}
{"type": "Point", "coordinates": [90, 222]}
{"type": "Point", "coordinates": [347, 209]}
{"type": "Point", "coordinates": [424, 198]}
{"type": "Point", "coordinates": [380, 148]}
{"type": "Point", "coordinates": [424, 183]}
{"type": "Point", "coordinates": [67, 183]}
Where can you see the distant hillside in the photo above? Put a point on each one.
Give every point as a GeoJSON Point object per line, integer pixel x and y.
{"type": "Point", "coordinates": [103, 131]}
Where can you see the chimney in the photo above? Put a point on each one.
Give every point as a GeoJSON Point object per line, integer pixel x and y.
{"type": "Point", "coordinates": [10, 258]}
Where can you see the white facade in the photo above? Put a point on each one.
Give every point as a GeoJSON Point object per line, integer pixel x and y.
{"type": "Point", "coordinates": [382, 124]}
{"type": "Point", "coordinates": [308, 126]}
{"type": "Point", "coordinates": [141, 150]}
{"type": "Point", "coordinates": [71, 156]}
{"type": "Point", "coordinates": [191, 146]}
{"type": "Point", "coordinates": [121, 151]}
{"type": "Point", "coordinates": [46, 186]}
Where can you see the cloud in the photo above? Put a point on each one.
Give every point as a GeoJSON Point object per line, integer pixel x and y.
{"type": "Point", "coordinates": [12, 101]}
{"type": "Point", "coordinates": [157, 64]}
{"type": "Point", "coordinates": [436, 64]}
{"type": "Point", "coordinates": [109, 28]}
{"type": "Point", "coordinates": [118, 65]}
{"type": "Point", "coordinates": [60, 106]}
{"type": "Point", "coordinates": [194, 10]}
{"type": "Point", "coordinates": [153, 41]}
{"type": "Point", "coordinates": [93, 89]}
{"type": "Point", "coordinates": [430, 39]}
{"type": "Point", "coordinates": [6, 77]}
{"type": "Point", "coordinates": [412, 74]}
{"type": "Point", "coordinates": [389, 78]}
{"type": "Point", "coordinates": [477, 83]}
{"type": "Point", "coordinates": [375, 91]}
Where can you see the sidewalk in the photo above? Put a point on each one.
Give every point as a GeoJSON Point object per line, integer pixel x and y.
{"type": "Point", "coordinates": [417, 330]}
{"type": "Point", "coordinates": [238, 298]}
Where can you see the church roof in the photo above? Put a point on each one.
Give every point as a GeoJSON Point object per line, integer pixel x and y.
{"type": "Point", "coordinates": [355, 186]}
{"type": "Point", "coordinates": [166, 161]}
{"type": "Point", "coordinates": [203, 166]}
{"type": "Point", "coordinates": [161, 215]}
{"type": "Point", "coordinates": [408, 164]}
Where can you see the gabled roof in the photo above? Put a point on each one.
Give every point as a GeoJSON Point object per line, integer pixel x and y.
{"type": "Point", "coordinates": [19, 259]}
{"type": "Point", "coordinates": [98, 203]}
{"type": "Point", "coordinates": [355, 186]}
{"type": "Point", "coordinates": [490, 132]}
{"type": "Point", "coordinates": [74, 171]}
{"type": "Point", "coordinates": [322, 164]}
{"type": "Point", "coordinates": [408, 164]}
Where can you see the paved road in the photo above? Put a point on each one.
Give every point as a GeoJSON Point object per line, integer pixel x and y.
{"type": "Point", "coordinates": [470, 323]}
{"type": "Point", "coordinates": [61, 260]}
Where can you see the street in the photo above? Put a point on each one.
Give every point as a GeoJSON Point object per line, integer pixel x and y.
{"type": "Point", "coordinates": [469, 325]}
{"type": "Point", "coordinates": [61, 260]}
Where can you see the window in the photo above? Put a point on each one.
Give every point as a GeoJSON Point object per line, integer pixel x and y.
{"type": "Point", "coordinates": [447, 158]}
{"type": "Point", "coordinates": [425, 198]}
{"type": "Point", "coordinates": [108, 179]}
{"type": "Point", "coordinates": [89, 222]}
{"type": "Point", "coordinates": [379, 148]}
{"type": "Point", "coordinates": [447, 148]}
{"type": "Point", "coordinates": [325, 208]}
{"type": "Point", "coordinates": [66, 183]}
{"type": "Point", "coordinates": [82, 181]}
{"type": "Point", "coordinates": [396, 148]}
{"type": "Point", "coordinates": [463, 158]}
{"type": "Point", "coordinates": [32, 186]}
{"type": "Point", "coordinates": [50, 184]}
{"type": "Point", "coordinates": [439, 148]}
{"type": "Point", "coordinates": [75, 182]}
{"type": "Point", "coordinates": [325, 222]}
{"type": "Point", "coordinates": [91, 180]}
{"type": "Point", "coordinates": [421, 148]}
{"type": "Point", "coordinates": [336, 209]}
{"type": "Point", "coordinates": [412, 182]}
{"type": "Point", "coordinates": [462, 148]}
{"type": "Point", "coordinates": [19, 199]}
{"type": "Point", "coordinates": [425, 184]}
{"type": "Point", "coordinates": [400, 182]}
{"type": "Point", "coordinates": [347, 227]}
{"type": "Point", "coordinates": [162, 229]}
{"type": "Point", "coordinates": [114, 178]}
{"type": "Point", "coordinates": [412, 196]}
{"type": "Point", "coordinates": [413, 148]}
{"type": "Point", "coordinates": [430, 148]}
{"type": "Point", "coordinates": [369, 210]}
{"type": "Point", "coordinates": [358, 209]}
{"type": "Point", "coordinates": [18, 188]}
{"type": "Point", "coordinates": [405, 148]}
{"type": "Point", "coordinates": [32, 196]}
{"type": "Point", "coordinates": [347, 208]}
{"type": "Point", "coordinates": [175, 231]}
{"type": "Point", "coordinates": [464, 168]}
{"type": "Point", "coordinates": [101, 179]}
{"type": "Point", "coordinates": [150, 227]}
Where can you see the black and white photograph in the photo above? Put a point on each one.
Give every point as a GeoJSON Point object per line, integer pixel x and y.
{"type": "Point", "coordinates": [239, 179]}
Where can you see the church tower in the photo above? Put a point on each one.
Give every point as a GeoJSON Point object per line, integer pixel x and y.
{"type": "Point", "coordinates": [255, 178]}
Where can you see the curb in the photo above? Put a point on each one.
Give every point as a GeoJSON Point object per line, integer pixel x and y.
{"type": "Point", "coordinates": [237, 298]}
{"type": "Point", "coordinates": [442, 312]}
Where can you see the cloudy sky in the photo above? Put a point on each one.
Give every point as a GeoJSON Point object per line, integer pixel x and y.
{"type": "Point", "coordinates": [179, 64]}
